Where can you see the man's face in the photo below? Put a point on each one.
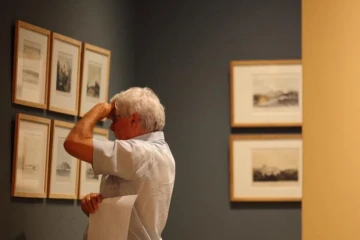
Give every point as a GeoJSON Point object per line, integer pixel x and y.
{"type": "Point", "coordinates": [124, 127]}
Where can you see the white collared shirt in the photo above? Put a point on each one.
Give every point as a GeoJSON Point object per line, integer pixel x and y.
{"type": "Point", "coordinates": [144, 166]}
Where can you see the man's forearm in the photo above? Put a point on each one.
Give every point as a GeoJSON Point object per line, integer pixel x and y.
{"type": "Point", "coordinates": [79, 143]}
{"type": "Point", "coordinates": [83, 129]}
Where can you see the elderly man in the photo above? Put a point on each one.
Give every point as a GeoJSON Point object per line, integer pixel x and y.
{"type": "Point", "coordinates": [138, 162]}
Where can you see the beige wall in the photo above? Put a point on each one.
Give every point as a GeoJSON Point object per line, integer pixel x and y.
{"type": "Point", "coordinates": [331, 130]}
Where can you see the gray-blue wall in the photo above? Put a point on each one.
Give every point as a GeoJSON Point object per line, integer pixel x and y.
{"type": "Point", "coordinates": [182, 50]}
{"type": "Point", "coordinates": [106, 23]}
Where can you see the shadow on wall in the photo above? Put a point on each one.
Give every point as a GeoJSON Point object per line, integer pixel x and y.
{"type": "Point", "coordinates": [20, 237]}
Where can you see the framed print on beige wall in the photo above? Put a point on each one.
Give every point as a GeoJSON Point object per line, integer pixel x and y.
{"type": "Point", "coordinates": [266, 93]}
{"type": "Point", "coordinates": [64, 168]}
{"type": "Point", "coordinates": [95, 77]}
{"type": "Point", "coordinates": [31, 63]}
{"type": "Point", "coordinates": [64, 77]}
{"type": "Point", "coordinates": [266, 167]}
{"type": "Point", "coordinates": [30, 157]}
{"type": "Point", "coordinates": [89, 182]}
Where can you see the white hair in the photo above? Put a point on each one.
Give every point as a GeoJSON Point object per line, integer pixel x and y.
{"type": "Point", "coordinates": [144, 102]}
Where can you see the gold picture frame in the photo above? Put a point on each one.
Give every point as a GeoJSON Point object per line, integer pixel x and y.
{"type": "Point", "coordinates": [88, 182]}
{"type": "Point", "coordinates": [31, 156]}
{"type": "Point", "coordinates": [265, 168]}
{"type": "Point", "coordinates": [65, 70]}
{"type": "Point", "coordinates": [266, 93]}
{"type": "Point", "coordinates": [31, 65]}
{"type": "Point", "coordinates": [64, 168]}
{"type": "Point", "coordinates": [94, 77]}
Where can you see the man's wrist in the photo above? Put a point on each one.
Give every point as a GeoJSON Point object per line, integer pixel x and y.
{"type": "Point", "coordinates": [93, 116]}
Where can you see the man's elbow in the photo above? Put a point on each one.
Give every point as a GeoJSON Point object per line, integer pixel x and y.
{"type": "Point", "coordinates": [70, 146]}
{"type": "Point", "coordinates": [78, 149]}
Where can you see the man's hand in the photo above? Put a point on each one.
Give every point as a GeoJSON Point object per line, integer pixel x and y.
{"type": "Point", "coordinates": [102, 110]}
{"type": "Point", "coordinates": [90, 203]}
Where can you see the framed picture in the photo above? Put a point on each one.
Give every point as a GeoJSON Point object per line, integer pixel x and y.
{"type": "Point", "coordinates": [30, 157]}
{"type": "Point", "coordinates": [31, 64]}
{"type": "Point", "coordinates": [65, 74]}
{"type": "Point", "coordinates": [95, 77]}
{"type": "Point", "coordinates": [89, 182]}
{"type": "Point", "coordinates": [265, 167]}
{"type": "Point", "coordinates": [64, 168]}
{"type": "Point", "coordinates": [266, 93]}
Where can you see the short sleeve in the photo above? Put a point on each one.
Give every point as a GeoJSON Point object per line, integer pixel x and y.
{"type": "Point", "coordinates": [122, 158]}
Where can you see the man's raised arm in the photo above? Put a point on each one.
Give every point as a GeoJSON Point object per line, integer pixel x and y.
{"type": "Point", "coordinates": [79, 142]}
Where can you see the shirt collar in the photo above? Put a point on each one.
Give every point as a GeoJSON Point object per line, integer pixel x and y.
{"type": "Point", "coordinates": [157, 135]}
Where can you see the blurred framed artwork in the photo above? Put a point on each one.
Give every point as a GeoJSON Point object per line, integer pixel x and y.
{"type": "Point", "coordinates": [265, 168]}
{"type": "Point", "coordinates": [89, 182]}
{"type": "Point", "coordinates": [95, 77]}
{"type": "Point", "coordinates": [266, 93]}
{"type": "Point", "coordinates": [30, 157]}
{"type": "Point", "coordinates": [31, 65]}
{"type": "Point", "coordinates": [64, 168]}
{"type": "Point", "coordinates": [65, 72]}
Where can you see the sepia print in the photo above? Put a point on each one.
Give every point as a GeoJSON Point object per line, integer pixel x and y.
{"type": "Point", "coordinates": [94, 78]}
{"type": "Point", "coordinates": [63, 72]}
{"type": "Point", "coordinates": [29, 160]}
{"type": "Point", "coordinates": [280, 90]}
{"type": "Point", "coordinates": [31, 63]}
{"type": "Point", "coordinates": [89, 174]}
{"type": "Point", "coordinates": [64, 160]}
{"type": "Point", "coordinates": [275, 166]}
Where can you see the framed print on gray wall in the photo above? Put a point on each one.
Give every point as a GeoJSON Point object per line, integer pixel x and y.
{"type": "Point", "coordinates": [89, 182]}
{"type": "Point", "coordinates": [30, 157]}
{"type": "Point", "coordinates": [95, 77]}
{"type": "Point", "coordinates": [266, 93]}
{"type": "Point", "coordinates": [64, 77]}
{"type": "Point", "coordinates": [266, 167]}
{"type": "Point", "coordinates": [64, 168]}
{"type": "Point", "coordinates": [31, 64]}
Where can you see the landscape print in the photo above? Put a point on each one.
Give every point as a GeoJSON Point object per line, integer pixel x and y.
{"type": "Point", "coordinates": [30, 158]}
{"type": "Point", "coordinates": [275, 91]}
{"type": "Point", "coordinates": [275, 166]}
{"type": "Point", "coordinates": [63, 72]}
{"type": "Point", "coordinates": [64, 162]}
{"type": "Point", "coordinates": [94, 79]}
{"type": "Point", "coordinates": [89, 174]}
{"type": "Point", "coordinates": [31, 63]}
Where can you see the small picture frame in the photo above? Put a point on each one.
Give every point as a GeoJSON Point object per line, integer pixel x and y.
{"type": "Point", "coordinates": [64, 80]}
{"type": "Point", "coordinates": [88, 182]}
{"type": "Point", "coordinates": [95, 77]}
{"type": "Point", "coordinates": [30, 157]}
{"type": "Point", "coordinates": [31, 65]}
{"type": "Point", "coordinates": [265, 168]}
{"type": "Point", "coordinates": [266, 93]}
{"type": "Point", "coordinates": [64, 168]}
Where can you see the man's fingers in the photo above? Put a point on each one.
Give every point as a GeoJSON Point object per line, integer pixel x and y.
{"type": "Point", "coordinates": [89, 204]}
{"type": "Point", "coordinates": [84, 206]}
{"type": "Point", "coordinates": [99, 198]}
{"type": "Point", "coordinates": [94, 203]}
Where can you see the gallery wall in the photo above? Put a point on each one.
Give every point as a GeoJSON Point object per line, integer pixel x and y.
{"type": "Point", "coordinates": [107, 24]}
{"type": "Point", "coordinates": [183, 50]}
